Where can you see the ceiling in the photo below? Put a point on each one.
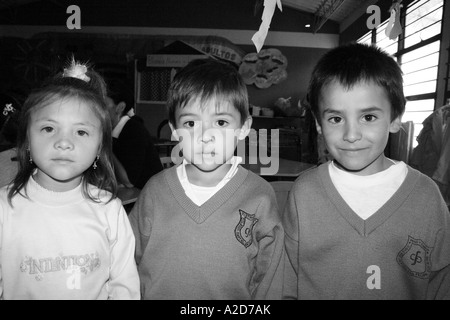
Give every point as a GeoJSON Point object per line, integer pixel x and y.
{"type": "Point", "coordinates": [15, 3]}
{"type": "Point", "coordinates": [341, 8]}
{"type": "Point", "coordinates": [336, 10]}
{"type": "Point", "coordinates": [339, 11]}
{"type": "Point", "coordinates": [10, 3]}
{"type": "Point", "coordinates": [310, 6]}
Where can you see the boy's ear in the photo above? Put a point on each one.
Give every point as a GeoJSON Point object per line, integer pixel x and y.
{"type": "Point", "coordinates": [318, 126]}
{"type": "Point", "coordinates": [396, 124]}
{"type": "Point", "coordinates": [174, 131]}
{"type": "Point", "coordinates": [245, 129]}
{"type": "Point", "coordinates": [120, 107]}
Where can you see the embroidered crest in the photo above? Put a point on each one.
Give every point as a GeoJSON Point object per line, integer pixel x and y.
{"type": "Point", "coordinates": [415, 258]}
{"type": "Point", "coordinates": [244, 228]}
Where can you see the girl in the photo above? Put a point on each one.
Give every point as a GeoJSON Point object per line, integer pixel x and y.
{"type": "Point", "coordinates": [63, 234]}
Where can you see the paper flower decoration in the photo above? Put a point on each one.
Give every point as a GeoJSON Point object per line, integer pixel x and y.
{"type": "Point", "coordinates": [264, 68]}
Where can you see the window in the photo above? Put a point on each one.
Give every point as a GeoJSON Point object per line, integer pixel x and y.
{"type": "Point", "coordinates": [420, 69]}
{"type": "Point", "coordinates": [417, 52]}
{"type": "Point", "coordinates": [423, 21]}
{"type": "Point", "coordinates": [366, 39]}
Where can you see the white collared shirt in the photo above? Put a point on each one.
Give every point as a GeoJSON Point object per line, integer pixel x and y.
{"type": "Point", "coordinates": [198, 194]}
{"type": "Point", "coordinates": [366, 194]}
{"type": "Point", "coordinates": [118, 128]}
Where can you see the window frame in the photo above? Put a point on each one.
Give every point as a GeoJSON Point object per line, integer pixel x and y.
{"type": "Point", "coordinates": [401, 51]}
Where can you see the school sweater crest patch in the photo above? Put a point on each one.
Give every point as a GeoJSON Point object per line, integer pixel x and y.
{"type": "Point", "coordinates": [415, 258]}
{"type": "Point", "coordinates": [244, 228]}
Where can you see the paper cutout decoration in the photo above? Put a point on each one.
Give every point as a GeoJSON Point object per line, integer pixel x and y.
{"type": "Point", "coordinates": [260, 36]}
{"type": "Point", "coordinates": [264, 68]}
{"type": "Point", "coordinates": [394, 27]}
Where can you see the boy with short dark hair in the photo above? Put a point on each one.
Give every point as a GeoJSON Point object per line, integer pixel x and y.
{"type": "Point", "coordinates": [364, 226]}
{"type": "Point", "coordinates": [208, 228]}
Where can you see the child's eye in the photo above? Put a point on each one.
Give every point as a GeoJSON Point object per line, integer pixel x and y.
{"type": "Point", "coordinates": [82, 133]}
{"type": "Point", "coordinates": [370, 117]}
{"type": "Point", "coordinates": [222, 123]}
{"type": "Point", "coordinates": [47, 129]}
{"type": "Point", "coordinates": [189, 124]}
{"type": "Point", "coordinates": [335, 120]}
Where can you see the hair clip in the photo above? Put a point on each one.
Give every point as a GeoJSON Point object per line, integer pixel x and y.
{"type": "Point", "coordinates": [76, 70]}
{"type": "Point", "coordinates": [8, 109]}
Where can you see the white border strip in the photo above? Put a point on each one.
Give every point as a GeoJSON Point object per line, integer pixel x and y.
{"type": "Point", "coordinates": [239, 37]}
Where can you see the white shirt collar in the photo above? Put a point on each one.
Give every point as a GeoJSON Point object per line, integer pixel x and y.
{"type": "Point", "coordinates": [199, 194]}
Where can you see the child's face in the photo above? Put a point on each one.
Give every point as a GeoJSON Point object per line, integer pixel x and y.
{"type": "Point", "coordinates": [355, 124]}
{"type": "Point", "coordinates": [65, 138]}
{"type": "Point", "coordinates": [209, 134]}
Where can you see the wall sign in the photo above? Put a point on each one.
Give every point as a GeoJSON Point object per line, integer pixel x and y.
{"type": "Point", "coordinates": [218, 47]}
{"type": "Point", "coordinates": [222, 52]}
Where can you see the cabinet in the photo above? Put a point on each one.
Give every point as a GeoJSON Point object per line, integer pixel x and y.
{"type": "Point", "coordinates": [291, 133]}
{"type": "Point", "coordinates": [153, 84]}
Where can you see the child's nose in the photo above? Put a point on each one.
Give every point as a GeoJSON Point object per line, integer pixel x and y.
{"type": "Point", "coordinates": [64, 142]}
{"type": "Point", "coordinates": [205, 132]}
{"type": "Point", "coordinates": [207, 135]}
{"type": "Point", "coordinates": [352, 132]}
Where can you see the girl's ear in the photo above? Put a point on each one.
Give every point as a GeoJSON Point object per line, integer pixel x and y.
{"type": "Point", "coordinates": [174, 132]}
{"type": "Point", "coordinates": [396, 124]}
{"type": "Point", "coordinates": [245, 129]}
{"type": "Point", "coordinates": [318, 126]}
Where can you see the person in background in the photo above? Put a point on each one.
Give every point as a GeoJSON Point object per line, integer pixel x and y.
{"type": "Point", "coordinates": [63, 234]}
{"type": "Point", "coordinates": [9, 114]}
{"type": "Point", "coordinates": [208, 228]}
{"type": "Point", "coordinates": [363, 226]}
{"type": "Point", "coordinates": [136, 158]}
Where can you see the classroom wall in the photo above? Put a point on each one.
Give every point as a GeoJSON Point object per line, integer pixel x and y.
{"type": "Point", "coordinates": [150, 21]}
{"type": "Point", "coordinates": [301, 62]}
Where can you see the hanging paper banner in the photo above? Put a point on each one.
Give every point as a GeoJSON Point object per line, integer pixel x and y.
{"type": "Point", "coordinates": [260, 36]}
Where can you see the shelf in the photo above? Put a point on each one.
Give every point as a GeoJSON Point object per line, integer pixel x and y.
{"type": "Point", "coordinates": [265, 117]}
{"type": "Point", "coordinates": [278, 117]}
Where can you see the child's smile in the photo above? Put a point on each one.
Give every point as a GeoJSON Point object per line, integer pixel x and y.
{"type": "Point", "coordinates": [356, 123]}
